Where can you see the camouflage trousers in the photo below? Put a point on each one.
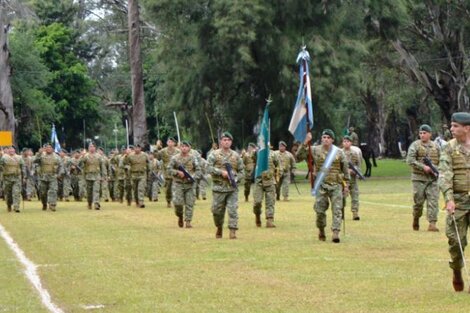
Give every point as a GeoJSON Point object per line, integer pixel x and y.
{"type": "Point", "coordinates": [153, 190]}
{"type": "Point", "coordinates": [225, 201]}
{"type": "Point", "coordinates": [120, 190]}
{"type": "Point", "coordinates": [48, 191]}
{"type": "Point", "coordinates": [12, 191]}
{"type": "Point", "coordinates": [93, 191]}
{"type": "Point", "coordinates": [78, 186]}
{"type": "Point", "coordinates": [462, 219]}
{"type": "Point", "coordinates": [168, 184]}
{"type": "Point", "coordinates": [269, 193]}
{"type": "Point", "coordinates": [104, 190]}
{"type": "Point", "coordinates": [139, 184]}
{"type": "Point", "coordinates": [247, 186]}
{"type": "Point", "coordinates": [183, 198]}
{"type": "Point", "coordinates": [30, 188]}
{"type": "Point", "coordinates": [111, 184]}
{"type": "Point", "coordinates": [65, 187]}
{"type": "Point", "coordinates": [327, 194]}
{"type": "Point", "coordinates": [201, 188]}
{"type": "Point", "coordinates": [354, 193]}
{"type": "Point", "coordinates": [283, 186]}
{"type": "Point", "coordinates": [128, 190]}
{"type": "Point", "coordinates": [426, 191]}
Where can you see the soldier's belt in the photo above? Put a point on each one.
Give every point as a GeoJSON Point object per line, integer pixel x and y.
{"type": "Point", "coordinates": [138, 172]}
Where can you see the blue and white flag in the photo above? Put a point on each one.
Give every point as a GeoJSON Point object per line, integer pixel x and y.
{"type": "Point", "coordinates": [262, 155]}
{"type": "Point", "coordinates": [303, 114]}
{"type": "Point", "coordinates": [54, 140]}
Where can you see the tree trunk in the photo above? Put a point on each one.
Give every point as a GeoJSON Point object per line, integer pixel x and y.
{"type": "Point", "coordinates": [139, 118]}
{"type": "Point", "coordinates": [376, 120]}
{"type": "Point", "coordinates": [7, 116]}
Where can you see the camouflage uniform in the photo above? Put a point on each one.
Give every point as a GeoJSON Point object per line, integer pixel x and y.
{"type": "Point", "coordinates": [118, 162]}
{"type": "Point", "coordinates": [30, 186]}
{"type": "Point", "coordinates": [154, 179]}
{"type": "Point", "coordinates": [112, 179]}
{"type": "Point", "coordinates": [225, 197]}
{"type": "Point", "coordinates": [49, 168]}
{"type": "Point", "coordinates": [287, 166]}
{"type": "Point", "coordinates": [425, 186]}
{"type": "Point", "coordinates": [249, 162]}
{"type": "Point", "coordinates": [183, 188]}
{"type": "Point", "coordinates": [355, 159]}
{"type": "Point", "coordinates": [165, 155]}
{"type": "Point", "coordinates": [77, 179]}
{"type": "Point", "coordinates": [104, 186]}
{"type": "Point", "coordinates": [202, 182]}
{"type": "Point", "coordinates": [139, 165]}
{"type": "Point", "coordinates": [454, 183]}
{"type": "Point", "coordinates": [265, 185]}
{"type": "Point", "coordinates": [331, 189]}
{"type": "Point", "coordinates": [94, 170]}
{"type": "Point", "coordinates": [12, 168]}
{"type": "Point", "coordinates": [65, 185]}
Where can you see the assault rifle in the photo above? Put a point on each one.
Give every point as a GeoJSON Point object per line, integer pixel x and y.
{"type": "Point", "coordinates": [158, 178]}
{"type": "Point", "coordinates": [186, 174]}
{"type": "Point", "coordinates": [356, 170]}
{"type": "Point", "coordinates": [231, 177]}
{"type": "Point", "coordinates": [427, 161]}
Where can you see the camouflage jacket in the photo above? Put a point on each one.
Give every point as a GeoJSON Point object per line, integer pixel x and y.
{"type": "Point", "coordinates": [416, 152]}
{"type": "Point", "coordinates": [189, 163]}
{"type": "Point", "coordinates": [216, 164]}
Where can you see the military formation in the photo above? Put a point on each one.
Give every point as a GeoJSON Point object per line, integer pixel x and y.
{"type": "Point", "coordinates": [180, 173]}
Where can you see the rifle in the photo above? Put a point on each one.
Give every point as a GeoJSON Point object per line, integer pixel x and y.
{"type": "Point", "coordinates": [186, 174]}
{"type": "Point", "coordinates": [427, 161]}
{"type": "Point", "coordinates": [158, 178]}
{"type": "Point", "coordinates": [356, 170]}
{"type": "Point", "coordinates": [295, 183]}
{"type": "Point", "coordinates": [231, 177]}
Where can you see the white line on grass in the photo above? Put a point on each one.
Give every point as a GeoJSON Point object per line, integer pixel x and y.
{"type": "Point", "coordinates": [386, 204]}
{"type": "Point", "coordinates": [30, 272]}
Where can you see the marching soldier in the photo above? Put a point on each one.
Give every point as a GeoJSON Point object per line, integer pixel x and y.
{"type": "Point", "coordinates": [354, 137]}
{"type": "Point", "coordinates": [202, 182]}
{"type": "Point", "coordinates": [184, 168]}
{"type": "Point", "coordinates": [287, 168]}
{"type": "Point", "coordinates": [12, 168]}
{"type": "Point", "coordinates": [29, 180]}
{"type": "Point", "coordinates": [265, 187]}
{"type": "Point", "coordinates": [165, 155]}
{"type": "Point", "coordinates": [104, 186]}
{"type": "Point", "coordinates": [154, 178]}
{"type": "Point", "coordinates": [49, 169]}
{"type": "Point", "coordinates": [355, 159]}
{"type": "Point", "coordinates": [249, 162]}
{"type": "Point", "coordinates": [76, 177]}
{"type": "Point", "coordinates": [65, 186]}
{"type": "Point", "coordinates": [425, 186]}
{"type": "Point", "coordinates": [94, 170]}
{"type": "Point", "coordinates": [331, 189]}
{"type": "Point", "coordinates": [225, 166]}
{"type": "Point", "coordinates": [454, 183]}
{"type": "Point", "coordinates": [138, 164]}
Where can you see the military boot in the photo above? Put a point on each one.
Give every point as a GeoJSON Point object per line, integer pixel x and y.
{"type": "Point", "coordinates": [97, 206]}
{"type": "Point", "coordinates": [258, 220]}
{"type": "Point", "coordinates": [246, 198]}
{"type": "Point", "coordinates": [218, 233]}
{"type": "Point", "coordinates": [52, 207]}
{"type": "Point", "coordinates": [141, 205]}
{"type": "Point", "coordinates": [335, 237]}
{"type": "Point", "coordinates": [270, 223]}
{"type": "Point", "coordinates": [9, 208]}
{"type": "Point", "coordinates": [457, 281]}
{"type": "Point", "coordinates": [44, 207]}
{"type": "Point", "coordinates": [188, 224]}
{"type": "Point", "coordinates": [416, 223]}
{"type": "Point", "coordinates": [89, 207]}
{"type": "Point", "coordinates": [432, 227]}
{"type": "Point", "coordinates": [356, 216]}
{"type": "Point", "coordinates": [17, 210]}
{"type": "Point", "coordinates": [233, 234]}
{"type": "Point", "coordinates": [321, 234]}
{"type": "Point", "coordinates": [168, 204]}
{"type": "Point", "coordinates": [180, 221]}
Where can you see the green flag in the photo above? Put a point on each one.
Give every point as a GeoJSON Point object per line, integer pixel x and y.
{"type": "Point", "coordinates": [262, 156]}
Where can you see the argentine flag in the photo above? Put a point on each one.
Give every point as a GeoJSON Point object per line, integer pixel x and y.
{"type": "Point", "coordinates": [262, 156]}
{"type": "Point", "coordinates": [54, 140]}
{"type": "Point", "coordinates": [303, 114]}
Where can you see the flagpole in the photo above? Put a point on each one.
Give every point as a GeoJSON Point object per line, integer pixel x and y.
{"type": "Point", "coordinates": [177, 128]}
{"type": "Point", "coordinates": [127, 133]}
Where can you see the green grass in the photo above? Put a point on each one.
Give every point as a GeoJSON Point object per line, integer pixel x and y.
{"type": "Point", "coordinates": [137, 260]}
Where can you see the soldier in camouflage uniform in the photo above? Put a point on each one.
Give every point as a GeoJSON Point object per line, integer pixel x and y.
{"type": "Point", "coordinates": [112, 181]}
{"type": "Point", "coordinates": [225, 195]}
{"type": "Point", "coordinates": [49, 167]}
{"type": "Point", "coordinates": [355, 159]}
{"type": "Point", "coordinates": [354, 137]}
{"type": "Point", "coordinates": [65, 185]}
{"type": "Point", "coordinates": [155, 178]}
{"type": "Point", "coordinates": [139, 165]}
{"type": "Point", "coordinates": [265, 187]}
{"type": "Point", "coordinates": [104, 186]}
{"type": "Point", "coordinates": [183, 186]}
{"type": "Point", "coordinates": [94, 170]}
{"type": "Point", "coordinates": [287, 170]}
{"type": "Point", "coordinates": [335, 184]}
{"type": "Point", "coordinates": [447, 134]}
{"type": "Point", "coordinates": [454, 182]}
{"type": "Point", "coordinates": [202, 182]}
{"type": "Point", "coordinates": [165, 155]}
{"type": "Point", "coordinates": [29, 180]}
{"type": "Point", "coordinates": [424, 181]}
{"type": "Point", "coordinates": [118, 162]}
{"type": "Point", "coordinates": [12, 168]}
{"type": "Point", "coordinates": [76, 177]}
{"type": "Point", "coordinates": [249, 162]}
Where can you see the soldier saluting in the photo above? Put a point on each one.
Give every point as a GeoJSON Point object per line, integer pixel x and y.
{"type": "Point", "coordinates": [94, 169]}
{"type": "Point", "coordinates": [12, 167]}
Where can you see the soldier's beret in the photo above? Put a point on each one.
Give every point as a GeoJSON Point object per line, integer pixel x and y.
{"type": "Point", "coordinates": [91, 144]}
{"type": "Point", "coordinates": [24, 150]}
{"type": "Point", "coordinates": [347, 137]}
{"type": "Point", "coordinates": [425, 128]}
{"type": "Point", "coordinates": [186, 143]}
{"type": "Point", "coordinates": [139, 145]}
{"type": "Point", "coordinates": [351, 128]}
{"type": "Point", "coordinates": [46, 144]}
{"type": "Point", "coordinates": [252, 144]}
{"type": "Point", "coordinates": [328, 132]}
{"type": "Point", "coordinates": [462, 118]}
{"type": "Point", "coordinates": [282, 143]}
{"type": "Point", "coordinates": [131, 147]}
{"type": "Point", "coordinates": [172, 139]}
{"type": "Point", "coordinates": [227, 135]}
{"type": "Point", "coordinates": [13, 147]}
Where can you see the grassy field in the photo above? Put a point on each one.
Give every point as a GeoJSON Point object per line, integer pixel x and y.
{"type": "Point", "coordinates": [137, 260]}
